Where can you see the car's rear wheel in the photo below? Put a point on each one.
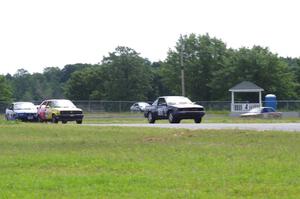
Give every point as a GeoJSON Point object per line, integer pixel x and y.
{"type": "Point", "coordinates": [198, 120]}
{"type": "Point", "coordinates": [151, 119]}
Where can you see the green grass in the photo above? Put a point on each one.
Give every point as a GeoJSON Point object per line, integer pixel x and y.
{"type": "Point", "coordinates": [73, 161]}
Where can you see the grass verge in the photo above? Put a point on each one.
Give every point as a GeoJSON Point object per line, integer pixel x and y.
{"type": "Point", "coordinates": [73, 161]}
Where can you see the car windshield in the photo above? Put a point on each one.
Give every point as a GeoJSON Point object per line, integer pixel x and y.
{"type": "Point", "coordinates": [178, 100]}
{"type": "Point", "coordinates": [24, 106]}
{"type": "Point", "coordinates": [63, 104]}
{"type": "Point", "coordinates": [255, 110]}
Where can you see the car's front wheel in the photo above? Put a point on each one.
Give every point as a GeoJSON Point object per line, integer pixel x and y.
{"type": "Point", "coordinates": [172, 119]}
{"type": "Point", "coordinates": [79, 121]}
{"type": "Point", "coordinates": [54, 119]}
{"type": "Point", "coordinates": [198, 120]}
{"type": "Point", "coordinates": [151, 119]}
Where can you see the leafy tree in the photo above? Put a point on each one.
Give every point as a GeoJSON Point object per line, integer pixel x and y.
{"type": "Point", "coordinates": [203, 57]}
{"type": "Point", "coordinates": [53, 78]}
{"type": "Point", "coordinates": [21, 84]}
{"type": "Point", "coordinates": [294, 67]}
{"type": "Point", "coordinates": [86, 84]}
{"type": "Point", "coordinates": [158, 87]}
{"type": "Point", "coordinates": [67, 71]}
{"type": "Point", "coordinates": [265, 69]}
{"type": "Point", "coordinates": [127, 75]}
{"type": "Point", "coordinates": [5, 90]}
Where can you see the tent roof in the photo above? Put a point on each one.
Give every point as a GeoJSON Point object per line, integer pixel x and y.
{"type": "Point", "coordinates": [246, 86]}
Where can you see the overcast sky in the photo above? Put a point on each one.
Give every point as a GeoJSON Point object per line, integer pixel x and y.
{"type": "Point", "coordinates": [35, 34]}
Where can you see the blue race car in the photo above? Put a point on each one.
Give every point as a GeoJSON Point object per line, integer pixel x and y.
{"type": "Point", "coordinates": [24, 111]}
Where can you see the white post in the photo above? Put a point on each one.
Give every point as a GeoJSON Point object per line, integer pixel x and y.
{"type": "Point", "coordinates": [232, 101]}
{"type": "Point", "coordinates": [260, 103]}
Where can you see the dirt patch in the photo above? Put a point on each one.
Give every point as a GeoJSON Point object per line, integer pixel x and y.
{"type": "Point", "coordinates": [184, 134]}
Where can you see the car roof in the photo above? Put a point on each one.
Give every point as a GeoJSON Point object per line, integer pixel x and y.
{"type": "Point", "coordinates": [173, 96]}
{"type": "Point", "coordinates": [21, 102]}
{"type": "Point", "coordinates": [56, 100]}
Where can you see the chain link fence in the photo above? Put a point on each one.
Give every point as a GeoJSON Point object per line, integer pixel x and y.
{"type": "Point", "coordinates": [90, 106]}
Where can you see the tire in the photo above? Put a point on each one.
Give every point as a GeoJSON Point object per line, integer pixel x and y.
{"type": "Point", "coordinates": [172, 119]}
{"type": "Point", "coordinates": [151, 119]}
{"type": "Point", "coordinates": [198, 120]}
{"type": "Point", "coordinates": [64, 122]}
{"type": "Point", "coordinates": [79, 121]}
{"type": "Point", "coordinates": [54, 119]}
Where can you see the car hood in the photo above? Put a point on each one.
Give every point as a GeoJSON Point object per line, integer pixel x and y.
{"type": "Point", "coordinates": [187, 106]}
{"type": "Point", "coordinates": [68, 109]}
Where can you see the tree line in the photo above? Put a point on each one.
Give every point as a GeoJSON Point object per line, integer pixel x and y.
{"type": "Point", "coordinates": [211, 68]}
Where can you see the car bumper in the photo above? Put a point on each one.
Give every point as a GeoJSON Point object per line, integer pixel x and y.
{"type": "Point", "coordinates": [69, 117]}
{"type": "Point", "coordinates": [189, 114]}
{"type": "Point", "coordinates": [26, 116]}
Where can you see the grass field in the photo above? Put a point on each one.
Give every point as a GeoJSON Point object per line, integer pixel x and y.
{"type": "Point", "coordinates": [74, 161]}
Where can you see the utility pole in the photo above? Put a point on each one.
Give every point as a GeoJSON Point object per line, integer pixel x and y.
{"type": "Point", "coordinates": [182, 67]}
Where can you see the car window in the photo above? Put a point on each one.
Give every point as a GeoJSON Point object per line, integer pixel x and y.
{"type": "Point", "coordinates": [11, 107]}
{"type": "Point", "coordinates": [155, 103]}
{"type": "Point", "coordinates": [50, 104]}
{"type": "Point", "coordinates": [161, 101]}
{"type": "Point", "coordinates": [62, 104]}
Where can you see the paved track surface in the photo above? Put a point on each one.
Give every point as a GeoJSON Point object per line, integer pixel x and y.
{"type": "Point", "coordinates": [258, 127]}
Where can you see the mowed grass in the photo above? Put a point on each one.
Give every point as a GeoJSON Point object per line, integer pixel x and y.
{"type": "Point", "coordinates": [74, 161]}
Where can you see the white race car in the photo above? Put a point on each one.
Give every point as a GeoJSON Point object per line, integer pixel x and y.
{"type": "Point", "coordinates": [24, 111]}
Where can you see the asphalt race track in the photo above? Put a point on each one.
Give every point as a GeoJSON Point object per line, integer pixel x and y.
{"type": "Point", "coordinates": [294, 127]}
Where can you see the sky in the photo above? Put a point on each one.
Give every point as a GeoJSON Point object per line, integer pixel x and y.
{"type": "Point", "coordinates": [35, 34]}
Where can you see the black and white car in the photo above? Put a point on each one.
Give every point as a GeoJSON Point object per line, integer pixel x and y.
{"type": "Point", "coordinates": [139, 106]}
{"type": "Point", "coordinates": [24, 111]}
{"type": "Point", "coordinates": [174, 108]}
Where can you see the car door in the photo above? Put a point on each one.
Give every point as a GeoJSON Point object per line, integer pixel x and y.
{"type": "Point", "coordinates": [162, 108]}
{"type": "Point", "coordinates": [42, 110]}
{"type": "Point", "coordinates": [48, 110]}
{"type": "Point", "coordinates": [9, 112]}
